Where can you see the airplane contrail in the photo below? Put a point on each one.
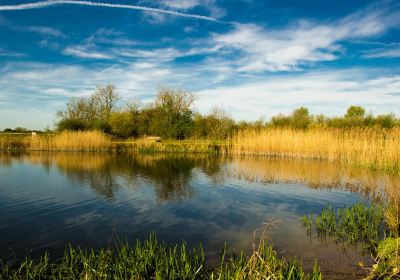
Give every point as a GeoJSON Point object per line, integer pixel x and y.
{"type": "Point", "coordinates": [44, 4]}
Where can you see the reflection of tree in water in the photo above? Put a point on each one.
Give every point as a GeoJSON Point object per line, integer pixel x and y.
{"type": "Point", "coordinates": [214, 167]}
{"type": "Point", "coordinates": [105, 173]}
{"type": "Point", "coordinates": [170, 176]}
{"type": "Point", "coordinates": [98, 172]}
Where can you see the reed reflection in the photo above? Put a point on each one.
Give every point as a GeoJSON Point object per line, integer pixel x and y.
{"type": "Point", "coordinates": [171, 175]}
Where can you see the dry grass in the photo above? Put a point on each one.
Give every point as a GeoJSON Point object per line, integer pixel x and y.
{"type": "Point", "coordinates": [370, 147]}
{"type": "Point", "coordinates": [65, 141]}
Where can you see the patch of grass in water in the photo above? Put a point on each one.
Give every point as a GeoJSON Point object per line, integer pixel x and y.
{"type": "Point", "coordinates": [358, 223]}
{"type": "Point", "coordinates": [376, 227]}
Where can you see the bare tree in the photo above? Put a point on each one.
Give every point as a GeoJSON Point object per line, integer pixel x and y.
{"type": "Point", "coordinates": [107, 100]}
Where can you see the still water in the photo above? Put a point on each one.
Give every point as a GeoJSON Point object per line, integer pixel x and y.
{"type": "Point", "coordinates": [48, 200]}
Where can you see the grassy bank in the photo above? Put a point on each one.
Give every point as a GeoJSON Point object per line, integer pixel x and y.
{"type": "Point", "coordinates": [152, 259]}
{"type": "Point", "coordinates": [375, 148]}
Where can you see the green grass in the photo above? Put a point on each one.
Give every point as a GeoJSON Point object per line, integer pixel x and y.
{"type": "Point", "coordinates": [368, 225]}
{"type": "Point", "coordinates": [358, 223]}
{"type": "Point", "coordinates": [152, 259]}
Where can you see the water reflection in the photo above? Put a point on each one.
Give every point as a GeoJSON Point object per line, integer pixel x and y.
{"type": "Point", "coordinates": [47, 200]}
{"type": "Point", "coordinates": [170, 175]}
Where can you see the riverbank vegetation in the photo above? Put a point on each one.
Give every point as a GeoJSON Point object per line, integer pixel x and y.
{"type": "Point", "coordinates": [372, 148]}
{"type": "Point", "coordinates": [101, 123]}
{"type": "Point", "coordinates": [152, 259]}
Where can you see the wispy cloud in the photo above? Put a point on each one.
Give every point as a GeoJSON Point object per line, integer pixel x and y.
{"type": "Point", "coordinates": [259, 49]}
{"type": "Point", "coordinates": [9, 53]}
{"type": "Point", "coordinates": [44, 4]}
{"type": "Point", "coordinates": [329, 92]}
{"type": "Point", "coordinates": [81, 52]}
{"type": "Point", "coordinates": [391, 52]}
{"type": "Point", "coordinates": [182, 4]}
{"type": "Point", "coordinates": [46, 31]}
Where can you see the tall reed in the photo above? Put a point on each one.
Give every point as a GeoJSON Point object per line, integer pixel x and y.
{"type": "Point", "coordinates": [371, 147]}
{"type": "Point", "coordinates": [64, 141]}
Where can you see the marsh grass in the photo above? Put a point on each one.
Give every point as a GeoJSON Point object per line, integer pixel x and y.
{"type": "Point", "coordinates": [152, 259]}
{"type": "Point", "coordinates": [64, 141]}
{"type": "Point", "coordinates": [374, 148]}
{"type": "Point", "coordinates": [358, 223]}
{"type": "Point", "coordinates": [374, 226]}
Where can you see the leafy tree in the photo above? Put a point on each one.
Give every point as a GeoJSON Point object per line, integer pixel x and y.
{"type": "Point", "coordinates": [173, 113]}
{"type": "Point", "coordinates": [21, 130]}
{"type": "Point", "coordinates": [122, 124]}
{"type": "Point", "coordinates": [72, 124]}
{"type": "Point", "coordinates": [355, 112]}
{"type": "Point", "coordinates": [281, 121]}
{"type": "Point", "coordinates": [385, 121]}
{"type": "Point", "coordinates": [301, 118]}
{"type": "Point", "coordinates": [355, 116]}
{"type": "Point", "coordinates": [92, 112]}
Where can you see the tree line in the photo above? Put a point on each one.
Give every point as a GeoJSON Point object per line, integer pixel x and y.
{"type": "Point", "coordinates": [172, 116]}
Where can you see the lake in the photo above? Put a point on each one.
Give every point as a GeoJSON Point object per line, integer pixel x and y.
{"type": "Point", "coordinates": [50, 199]}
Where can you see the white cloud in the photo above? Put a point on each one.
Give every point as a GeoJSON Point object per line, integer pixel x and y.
{"type": "Point", "coordinates": [31, 85]}
{"type": "Point", "coordinates": [327, 92]}
{"type": "Point", "coordinates": [83, 52]}
{"type": "Point", "coordinates": [181, 4]}
{"type": "Point", "coordinates": [259, 49]}
{"type": "Point", "coordinates": [383, 53]}
{"type": "Point", "coordinates": [10, 53]}
{"type": "Point", "coordinates": [46, 31]}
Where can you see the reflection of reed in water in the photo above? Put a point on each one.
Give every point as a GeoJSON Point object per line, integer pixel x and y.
{"type": "Point", "coordinates": [171, 175]}
{"type": "Point", "coordinates": [315, 174]}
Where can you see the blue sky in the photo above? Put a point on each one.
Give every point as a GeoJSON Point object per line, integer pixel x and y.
{"type": "Point", "coordinates": [253, 58]}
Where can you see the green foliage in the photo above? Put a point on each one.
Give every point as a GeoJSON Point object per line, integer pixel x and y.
{"type": "Point", "coordinates": [123, 124]}
{"type": "Point", "coordinates": [73, 124]}
{"type": "Point", "coordinates": [171, 116]}
{"type": "Point", "coordinates": [354, 117]}
{"type": "Point", "coordinates": [301, 118]}
{"type": "Point", "coordinates": [355, 112]}
{"type": "Point", "coordinates": [388, 260]}
{"type": "Point", "coordinates": [307, 222]}
{"type": "Point", "coordinates": [217, 125]}
{"type": "Point", "coordinates": [358, 223]}
{"type": "Point", "coordinates": [385, 121]}
{"type": "Point", "coordinates": [173, 113]}
{"type": "Point", "coordinates": [89, 113]}
{"type": "Point", "coordinates": [368, 225]}
{"type": "Point", "coordinates": [263, 264]}
{"type": "Point", "coordinates": [152, 259]}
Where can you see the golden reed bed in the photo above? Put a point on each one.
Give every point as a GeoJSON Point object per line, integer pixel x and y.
{"type": "Point", "coordinates": [374, 148]}
{"type": "Point", "coordinates": [370, 147]}
{"type": "Point", "coordinates": [65, 141]}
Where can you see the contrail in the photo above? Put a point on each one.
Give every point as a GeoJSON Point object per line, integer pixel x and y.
{"type": "Point", "coordinates": [43, 4]}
